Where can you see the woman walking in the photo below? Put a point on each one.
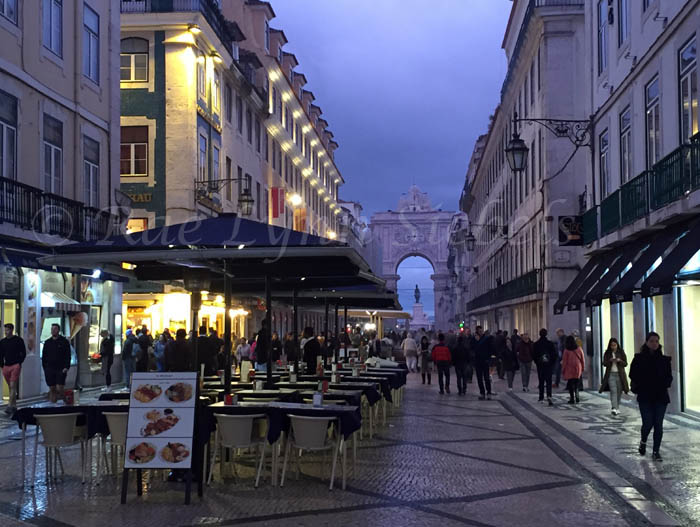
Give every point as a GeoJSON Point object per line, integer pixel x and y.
{"type": "Point", "coordinates": [572, 364]}
{"type": "Point", "coordinates": [426, 362]}
{"type": "Point", "coordinates": [510, 363]}
{"type": "Point", "coordinates": [410, 352]}
{"type": "Point", "coordinates": [525, 352]}
{"type": "Point", "coordinates": [615, 379]}
{"type": "Point", "coordinates": [651, 378]}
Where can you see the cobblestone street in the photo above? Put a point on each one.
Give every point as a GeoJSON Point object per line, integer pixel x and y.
{"type": "Point", "coordinates": [441, 460]}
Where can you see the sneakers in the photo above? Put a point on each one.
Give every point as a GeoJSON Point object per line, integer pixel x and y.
{"type": "Point", "coordinates": [656, 456]}
{"type": "Point", "coordinates": [488, 397]}
{"type": "Point", "coordinates": [615, 411]}
{"type": "Point", "coordinates": [549, 402]}
{"type": "Point", "coordinates": [642, 448]}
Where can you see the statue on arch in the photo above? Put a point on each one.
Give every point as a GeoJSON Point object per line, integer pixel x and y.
{"type": "Point", "coordinates": [416, 293]}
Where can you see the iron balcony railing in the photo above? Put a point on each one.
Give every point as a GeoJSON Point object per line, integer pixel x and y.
{"type": "Point", "coordinates": [610, 213]}
{"type": "Point", "coordinates": [672, 177]}
{"type": "Point", "coordinates": [634, 198]}
{"type": "Point", "coordinates": [590, 225]}
{"type": "Point", "coordinates": [209, 9]}
{"type": "Point", "coordinates": [527, 18]}
{"type": "Point", "coordinates": [30, 208]}
{"type": "Point", "coordinates": [524, 285]}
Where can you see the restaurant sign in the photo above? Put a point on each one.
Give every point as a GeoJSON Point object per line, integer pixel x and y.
{"type": "Point", "coordinates": [570, 231]}
{"type": "Point", "coordinates": [161, 420]}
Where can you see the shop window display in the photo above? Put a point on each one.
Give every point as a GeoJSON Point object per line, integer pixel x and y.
{"type": "Point", "coordinates": [690, 321]}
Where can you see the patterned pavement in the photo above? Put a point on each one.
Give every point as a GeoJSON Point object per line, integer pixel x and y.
{"type": "Point", "coordinates": [441, 460]}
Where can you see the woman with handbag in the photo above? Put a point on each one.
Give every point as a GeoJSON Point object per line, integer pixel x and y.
{"type": "Point", "coordinates": [615, 379]}
{"type": "Point", "coordinates": [651, 378]}
{"type": "Point", "coordinates": [572, 364]}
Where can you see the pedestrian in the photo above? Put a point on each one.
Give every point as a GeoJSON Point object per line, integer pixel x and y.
{"type": "Point", "coordinates": [141, 353]}
{"type": "Point", "coordinates": [311, 350]}
{"type": "Point", "coordinates": [483, 344]}
{"type": "Point", "coordinates": [127, 355]}
{"type": "Point", "coordinates": [243, 351]}
{"type": "Point", "coordinates": [374, 346]}
{"type": "Point", "coordinates": [206, 353]}
{"type": "Point", "coordinates": [217, 343]}
{"type": "Point", "coordinates": [276, 347]}
{"type": "Point", "coordinates": [615, 378]}
{"type": "Point", "coordinates": [515, 339]}
{"type": "Point", "coordinates": [560, 344]}
{"type": "Point", "coordinates": [443, 360]}
{"type": "Point", "coordinates": [650, 375]}
{"type": "Point", "coordinates": [510, 363]}
{"type": "Point", "coordinates": [290, 351]}
{"type": "Point", "coordinates": [159, 351]}
{"type": "Point", "coordinates": [545, 355]}
{"type": "Point", "coordinates": [572, 365]}
{"type": "Point", "coordinates": [178, 353]}
{"type": "Point", "coordinates": [12, 355]}
{"type": "Point", "coordinates": [55, 359]}
{"type": "Point", "coordinates": [460, 359]}
{"type": "Point", "coordinates": [499, 343]}
{"type": "Point", "coordinates": [410, 351]}
{"type": "Point", "coordinates": [426, 362]}
{"type": "Point", "coordinates": [262, 347]}
{"type": "Point", "coordinates": [107, 355]}
{"type": "Point", "coordinates": [525, 350]}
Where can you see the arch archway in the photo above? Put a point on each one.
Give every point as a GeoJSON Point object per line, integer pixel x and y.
{"type": "Point", "coordinates": [416, 271]}
{"type": "Point", "coordinates": [416, 229]}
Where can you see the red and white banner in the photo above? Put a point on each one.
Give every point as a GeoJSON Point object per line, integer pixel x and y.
{"type": "Point", "coordinates": [277, 195]}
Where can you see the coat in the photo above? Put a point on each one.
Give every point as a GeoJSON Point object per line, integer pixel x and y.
{"type": "Point", "coordinates": [607, 362]}
{"type": "Point", "coordinates": [572, 364]}
{"type": "Point", "coordinates": [650, 373]}
{"type": "Point", "coordinates": [525, 351]}
{"type": "Point", "coordinates": [544, 353]}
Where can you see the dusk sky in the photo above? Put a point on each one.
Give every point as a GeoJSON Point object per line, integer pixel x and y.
{"type": "Point", "coordinates": [405, 85]}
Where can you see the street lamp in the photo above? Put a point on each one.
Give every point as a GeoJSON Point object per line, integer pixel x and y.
{"type": "Point", "coordinates": [517, 153]}
{"type": "Point", "coordinates": [245, 202]}
{"type": "Point", "coordinates": [295, 200]}
{"type": "Point", "coordinates": [470, 241]}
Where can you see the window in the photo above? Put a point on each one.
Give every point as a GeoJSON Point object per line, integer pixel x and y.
{"type": "Point", "coordinates": [646, 4]}
{"type": "Point", "coordinates": [257, 134]}
{"type": "Point", "coordinates": [239, 113]}
{"type": "Point", "coordinates": [539, 69]}
{"type": "Point", "coordinates": [133, 60]}
{"type": "Point", "coordinates": [91, 44]}
{"type": "Point", "coordinates": [229, 183]}
{"type": "Point", "coordinates": [625, 146]}
{"type": "Point", "coordinates": [532, 164]}
{"type": "Point", "coordinates": [8, 9]}
{"type": "Point", "coordinates": [541, 154]}
{"type": "Point", "coordinates": [267, 35]}
{"type": "Point", "coordinates": [91, 171]}
{"type": "Point", "coordinates": [653, 112]}
{"type": "Point", "coordinates": [216, 93]}
{"type": "Point", "coordinates": [257, 198]}
{"type": "Point", "coordinates": [623, 21]}
{"type": "Point", "coordinates": [532, 83]}
{"type": "Point", "coordinates": [215, 159]}
{"type": "Point", "coordinates": [228, 110]}
{"type": "Point", "coordinates": [266, 146]}
{"type": "Point", "coordinates": [8, 136]}
{"type": "Point", "coordinates": [604, 159]}
{"type": "Point", "coordinates": [689, 90]}
{"type": "Point", "coordinates": [201, 77]}
{"type": "Point", "coordinates": [249, 124]}
{"type": "Point", "coordinates": [52, 25]}
{"type": "Point", "coordinates": [53, 155]}
{"type": "Point", "coordinates": [202, 165]}
{"type": "Point", "coordinates": [602, 36]}
{"type": "Point", "coordinates": [133, 157]}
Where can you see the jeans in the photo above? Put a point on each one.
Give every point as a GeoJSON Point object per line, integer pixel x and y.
{"type": "Point", "coordinates": [461, 371]}
{"type": "Point", "coordinates": [483, 377]}
{"type": "Point", "coordinates": [128, 369]}
{"type": "Point", "coordinates": [653, 417]}
{"type": "Point", "coordinates": [411, 363]}
{"type": "Point", "coordinates": [615, 390]}
{"type": "Point", "coordinates": [544, 373]}
{"type": "Point", "coordinates": [525, 368]}
{"type": "Point", "coordinates": [557, 371]}
{"type": "Point", "coordinates": [510, 375]}
{"type": "Point", "coordinates": [443, 369]}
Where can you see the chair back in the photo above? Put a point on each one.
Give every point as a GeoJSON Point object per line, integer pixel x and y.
{"type": "Point", "coordinates": [58, 429]}
{"type": "Point", "coordinates": [236, 431]}
{"type": "Point", "coordinates": [116, 422]}
{"type": "Point", "coordinates": [310, 432]}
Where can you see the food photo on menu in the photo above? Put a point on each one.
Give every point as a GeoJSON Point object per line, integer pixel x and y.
{"type": "Point", "coordinates": [158, 452]}
{"type": "Point", "coordinates": [179, 392]}
{"type": "Point", "coordinates": [160, 422]}
{"type": "Point", "coordinates": [146, 393]}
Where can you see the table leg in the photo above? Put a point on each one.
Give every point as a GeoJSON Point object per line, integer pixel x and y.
{"type": "Point", "coordinates": [344, 449]}
{"type": "Point", "coordinates": [24, 454]}
{"type": "Point", "coordinates": [139, 482]}
{"type": "Point", "coordinates": [371, 421]}
{"type": "Point", "coordinates": [354, 451]}
{"type": "Point", "coordinates": [384, 412]}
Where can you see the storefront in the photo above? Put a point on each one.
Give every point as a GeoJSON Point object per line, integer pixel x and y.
{"type": "Point", "coordinates": [9, 300]}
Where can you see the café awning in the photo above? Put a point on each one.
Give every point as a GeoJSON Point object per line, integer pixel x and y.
{"type": "Point", "coordinates": [627, 255]}
{"type": "Point", "coordinates": [573, 286]}
{"type": "Point", "coordinates": [601, 264]}
{"type": "Point", "coordinates": [660, 281]}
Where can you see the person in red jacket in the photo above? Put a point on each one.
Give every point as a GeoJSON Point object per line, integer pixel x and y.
{"type": "Point", "coordinates": [443, 360]}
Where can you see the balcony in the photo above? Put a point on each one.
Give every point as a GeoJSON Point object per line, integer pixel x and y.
{"type": "Point", "coordinates": [524, 285]}
{"type": "Point", "coordinates": [610, 213]}
{"type": "Point", "coordinates": [208, 8]}
{"type": "Point", "coordinates": [634, 198]}
{"type": "Point", "coordinates": [590, 225]}
{"type": "Point", "coordinates": [31, 209]}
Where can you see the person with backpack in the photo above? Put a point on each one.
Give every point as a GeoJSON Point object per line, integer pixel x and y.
{"type": "Point", "coordinates": [572, 365]}
{"type": "Point", "coordinates": [426, 362]}
{"type": "Point", "coordinates": [545, 356]}
{"type": "Point", "coordinates": [443, 359]}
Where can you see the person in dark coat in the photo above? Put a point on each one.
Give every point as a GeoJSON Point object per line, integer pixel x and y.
{"type": "Point", "coordinates": [145, 343]}
{"type": "Point", "coordinates": [545, 356]}
{"type": "Point", "coordinates": [615, 379]}
{"type": "Point", "coordinates": [127, 355]}
{"type": "Point", "coordinates": [312, 350]}
{"type": "Point", "coordinates": [499, 344]}
{"type": "Point", "coordinates": [217, 343]}
{"type": "Point", "coordinates": [510, 363]}
{"type": "Point", "coordinates": [289, 348]}
{"type": "Point", "coordinates": [483, 348]}
{"type": "Point", "coordinates": [276, 347]}
{"type": "Point", "coordinates": [178, 353]}
{"type": "Point", "coordinates": [262, 347]}
{"type": "Point", "coordinates": [206, 353]}
{"type": "Point", "coordinates": [651, 378]}
{"type": "Point", "coordinates": [55, 359]}
{"type": "Point", "coordinates": [12, 355]}
{"type": "Point", "coordinates": [461, 359]}
{"type": "Point", "coordinates": [107, 355]}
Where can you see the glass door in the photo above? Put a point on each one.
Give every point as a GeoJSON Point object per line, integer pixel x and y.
{"type": "Point", "coordinates": [8, 315]}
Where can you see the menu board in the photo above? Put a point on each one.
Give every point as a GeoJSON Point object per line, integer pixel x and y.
{"type": "Point", "coordinates": [161, 420]}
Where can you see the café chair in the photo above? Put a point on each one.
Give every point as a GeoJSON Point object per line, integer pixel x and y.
{"type": "Point", "coordinates": [116, 422]}
{"type": "Point", "coordinates": [310, 434]}
{"type": "Point", "coordinates": [236, 432]}
{"type": "Point", "coordinates": [58, 431]}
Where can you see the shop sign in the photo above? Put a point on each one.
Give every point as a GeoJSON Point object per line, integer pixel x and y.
{"type": "Point", "coordinates": [9, 281]}
{"type": "Point", "coordinates": [570, 231]}
{"type": "Point", "coordinates": [145, 197]}
{"type": "Point", "coordinates": [161, 420]}
{"type": "Point", "coordinates": [90, 290]}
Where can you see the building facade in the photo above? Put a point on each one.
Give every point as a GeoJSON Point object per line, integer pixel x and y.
{"type": "Point", "coordinates": [59, 140]}
{"type": "Point", "coordinates": [644, 188]}
{"type": "Point", "coordinates": [519, 260]}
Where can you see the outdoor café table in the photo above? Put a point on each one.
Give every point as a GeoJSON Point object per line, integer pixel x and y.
{"type": "Point", "coordinates": [284, 396]}
{"type": "Point", "coordinates": [114, 396]}
{"type": "Point", "coordinates": [351, 397]}
{"type": "Point", "coordinates": [299, 385]}
{"type": "Point", "coordinates": [92, 418]}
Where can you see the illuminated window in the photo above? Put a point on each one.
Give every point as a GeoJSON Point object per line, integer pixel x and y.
{"type": "Point", "coordinates": [136, 225]}
{"type": "Point", "coordinates": [653, 112]}
{"type": "Point", "coordinates": [689, 90]}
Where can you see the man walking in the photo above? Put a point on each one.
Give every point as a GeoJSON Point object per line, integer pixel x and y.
{"type": "Point", "coordinates": [560, 345]}
{"type": "Point", "coordinates": [545, 355]}
{"type": "Point", "coordinates": [12, 354]}
{"type": "Point", "coordinates": [127, 355]}
{"type": "Point", "coordinates": [410, 352]}
{"type": "Point", "coordinates": [443, 360]}
{"type": "Point", "coordinates": [55, 359]}
{"type": "Point", "coordinates": [482, 358]}
{"type": "Point", "coordinates": [107, 355]}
